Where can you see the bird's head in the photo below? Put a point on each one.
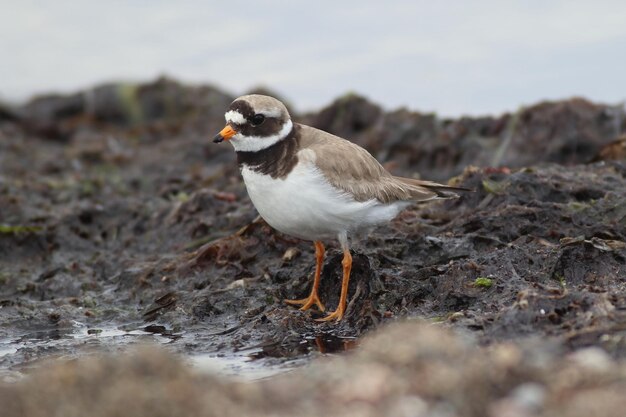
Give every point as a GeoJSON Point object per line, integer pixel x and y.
{"type": "Point", "coordinates": [255, 122]}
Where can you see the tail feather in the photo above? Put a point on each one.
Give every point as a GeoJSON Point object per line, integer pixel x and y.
{"type": "Point", "coordinates": [442, 191]}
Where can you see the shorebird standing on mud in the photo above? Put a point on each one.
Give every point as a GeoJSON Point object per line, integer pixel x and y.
{"type": "Point", "coordinates": [313, 185]}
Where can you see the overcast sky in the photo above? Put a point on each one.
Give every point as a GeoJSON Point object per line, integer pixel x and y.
{"type": "Point", "coordinates": [452, 57]}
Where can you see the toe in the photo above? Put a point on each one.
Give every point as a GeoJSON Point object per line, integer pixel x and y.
{"type": "Point", "coordinates": [335, 315]}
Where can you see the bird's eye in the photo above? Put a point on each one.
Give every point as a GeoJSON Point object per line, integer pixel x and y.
{"type": "Point", "coordinates": [257, 119]}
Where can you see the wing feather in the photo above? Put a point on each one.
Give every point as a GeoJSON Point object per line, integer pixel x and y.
{"type": "Point", "coordinates": [355, 171]}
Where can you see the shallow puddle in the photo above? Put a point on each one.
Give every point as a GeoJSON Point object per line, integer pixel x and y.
{"type": "Point", "coordinates": [272, 359]}
{"type": "Point", "coordinates": [322, 343]}
{"type": "Point", "coordinates": [243, 365]}
{"type": "Point", "coordinates": [28, 351]}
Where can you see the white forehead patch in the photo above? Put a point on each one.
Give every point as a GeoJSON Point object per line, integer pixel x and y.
{"type": "Point", "coordinates": [233, 116]}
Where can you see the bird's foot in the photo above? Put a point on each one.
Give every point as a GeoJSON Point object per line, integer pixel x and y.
{"type": "Point", "coordinates": [308, 302]}
{"type": "Point", "coordinates": [335, 315]}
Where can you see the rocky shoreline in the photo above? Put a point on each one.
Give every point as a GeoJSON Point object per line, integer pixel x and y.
{"type": "Point", "coordinates": [117, 211]}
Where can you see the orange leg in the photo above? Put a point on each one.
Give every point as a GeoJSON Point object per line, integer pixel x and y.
{"type": "Point", "coordinates": [341, 308]}
{"type": "Point", "coordinates": [313, 298]}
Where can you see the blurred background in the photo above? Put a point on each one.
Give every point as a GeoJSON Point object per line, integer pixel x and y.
{"type": "Point", "coordinates": [122, 223]}
{"type": "Point", "coordinates": [453, 58]}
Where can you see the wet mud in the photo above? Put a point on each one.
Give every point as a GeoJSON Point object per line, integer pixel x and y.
{"type": "Point", "coordinates": [121, 222]}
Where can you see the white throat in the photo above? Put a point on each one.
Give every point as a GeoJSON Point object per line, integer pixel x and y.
{"type": "Point", "coordinates": [257, 143]}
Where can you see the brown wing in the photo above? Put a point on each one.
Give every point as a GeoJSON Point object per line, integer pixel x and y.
{"type": "Point", "coordinates": [352, 169]}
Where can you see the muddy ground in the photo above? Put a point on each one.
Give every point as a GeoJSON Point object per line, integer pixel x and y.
{"type": "Point", "coordinates": [120, 221]}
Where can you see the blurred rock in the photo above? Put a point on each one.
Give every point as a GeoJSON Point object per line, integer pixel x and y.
{"type": "Point", "coordinates": [163, 101]}
{"type": "Point", "coordinates": [348, 116]}
{"type": "Point", "coordinates": [565, 132]}
{"type": "Point", "coordinates": [614, 151]}
{"type": "Point", "coordinates": [407, 369]}
{"type": "Point", "coordinates": [7, 114]}
{"type": "Point", "coordinates": [52, 115]}
{"type": "Point", "coordinates": [421, 144]}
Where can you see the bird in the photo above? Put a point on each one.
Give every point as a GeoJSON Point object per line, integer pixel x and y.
{"type": "Point", "coordinates": [315, 186]}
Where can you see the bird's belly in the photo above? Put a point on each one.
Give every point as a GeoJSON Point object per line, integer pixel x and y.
{"type": "Point", "coordinates": [305, 205]}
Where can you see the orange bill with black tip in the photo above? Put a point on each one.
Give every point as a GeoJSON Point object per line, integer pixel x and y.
{"type": "Point", "coordinates": [225, 134]}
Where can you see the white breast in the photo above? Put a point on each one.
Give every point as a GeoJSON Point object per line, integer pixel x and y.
{"type": "Point", "coordinates": [305, 205]}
